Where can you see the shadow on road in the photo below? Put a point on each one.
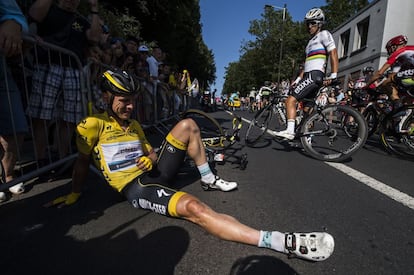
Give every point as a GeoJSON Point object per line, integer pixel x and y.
{"type": "Point", "coordinates": [263, 265]}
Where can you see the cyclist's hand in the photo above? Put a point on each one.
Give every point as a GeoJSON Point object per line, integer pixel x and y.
{"type": "Point", "coordinates": [144, 163]}
{"type": "Point", "coordinates": [64, 200]}
{"type": "Point", "coordinates": [328, 80]}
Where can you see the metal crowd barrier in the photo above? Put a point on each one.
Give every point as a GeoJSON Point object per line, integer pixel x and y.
{"type": "Point", "coordinates": [22, 68]}
{"type": "Point", "coordinates": [27, 166]}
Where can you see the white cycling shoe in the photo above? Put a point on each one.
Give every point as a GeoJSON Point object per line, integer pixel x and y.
{"type": "Point", "coordinates": [17, 189]}
{"type": "Point", "coordinates": [314, 246]}
{"type": "Point", "coordinates": [219, 184]}
{"type": "Point", "coordinates": [284, 134]}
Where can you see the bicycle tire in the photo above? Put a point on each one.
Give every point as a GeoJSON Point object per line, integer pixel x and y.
{"type": "Point", "coordinates": [258, 126]}
{"type": "Point", "coordinates": [335, 140]}
{"type": "Point", "coordinates": [371, 116]}
{"type": "Point", "coordinates": [210, 129]}
{"type": "Point", "coordinates": [400, 144]}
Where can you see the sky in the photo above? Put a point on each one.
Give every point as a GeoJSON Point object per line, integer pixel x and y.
{"type": "Point", "coordinates": [225, 25]}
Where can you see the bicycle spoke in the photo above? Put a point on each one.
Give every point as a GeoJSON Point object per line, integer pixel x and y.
{"type": "Point", "coordinates": [401, 144]}
{"type": "Point", "coordinates": [258, 126]}
{"type": "Point", "coordinates": [335, 134]}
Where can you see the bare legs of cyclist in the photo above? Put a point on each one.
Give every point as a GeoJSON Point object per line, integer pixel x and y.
{"type": "Point", "coordinates": [187, 132]}
{"type": "Point", "coordinates": [316, 246]}
{"type": "Point", "coordinates": [291, 103]}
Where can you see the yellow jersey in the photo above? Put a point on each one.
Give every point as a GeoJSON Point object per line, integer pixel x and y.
{"type": "Point", "coordinates": [114, 150]}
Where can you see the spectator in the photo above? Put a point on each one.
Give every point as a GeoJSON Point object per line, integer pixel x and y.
{"type": "Point", "coordinates": [131, 46]}
{"type": "Point", "coordinates": [62, 25]}
{"type": "Point", "coordinates": [118, 55]}
{"type": "Point", "coordinates": [13, 123]}
{"type": "Point", "coordinates": [146, 71]}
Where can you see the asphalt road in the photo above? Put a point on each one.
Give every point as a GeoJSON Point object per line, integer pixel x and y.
{"type": "Point", "coordinates": [368, 209]}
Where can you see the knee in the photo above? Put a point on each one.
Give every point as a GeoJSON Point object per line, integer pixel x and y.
{"type": "Point", "coordinates": [188, 124]}
{"type": "Point", "coordinates": [194, 209]}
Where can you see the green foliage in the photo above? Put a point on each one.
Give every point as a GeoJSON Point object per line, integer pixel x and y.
{"type": "Point", "coordinates": [174, 25]}
{"type": "Point", "coordinates": [277, 41]}
{"type": "Point", "coordinates": [338, 11]}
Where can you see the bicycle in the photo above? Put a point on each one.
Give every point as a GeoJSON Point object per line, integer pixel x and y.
{"type": "Point", "coordinates": [216, 140]}
{"type": "Point", "coordinates": [382, 119]}
{"type": "Point", "coordinates": [328, 132]}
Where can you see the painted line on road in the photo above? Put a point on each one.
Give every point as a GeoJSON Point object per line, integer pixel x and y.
{"type": "Point", "coordinates": [375, 184]}
{"type": "Point", "coordinates": [370, 182]}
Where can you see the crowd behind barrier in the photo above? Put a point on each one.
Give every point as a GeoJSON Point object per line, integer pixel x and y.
{"type": "Point", "coordinates": [156, 103]}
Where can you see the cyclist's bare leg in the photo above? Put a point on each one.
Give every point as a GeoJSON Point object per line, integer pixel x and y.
{"type": "Point", "coordinates": [228, 228]}
{"type": "Point", "coordinates": [188, 132]}
{"type": "Point", "coordinates": [291, 103]}
{"type": "Point", "coordinates": [220, 225]}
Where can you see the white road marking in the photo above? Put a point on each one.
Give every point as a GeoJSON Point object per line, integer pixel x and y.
{"type": "Point", "coordinates": [371, 182]}
{"type": "Point", "coordinates": [375, 184]}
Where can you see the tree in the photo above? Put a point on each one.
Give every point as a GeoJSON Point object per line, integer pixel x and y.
{"type": "Point", "coordinates": [259, 60]}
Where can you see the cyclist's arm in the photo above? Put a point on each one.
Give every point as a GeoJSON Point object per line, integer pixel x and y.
{"type": "Point", "coordinates": [378, 74]}
{"type": "Point", "coordinates": [80, 172]}
{"type": "Point", "coordinates": [333, 55]}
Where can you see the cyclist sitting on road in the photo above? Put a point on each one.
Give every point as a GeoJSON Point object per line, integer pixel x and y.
{"type": "Point", "coordinates": [119, 149]}
{"type": "Point", "coordinates": [307, 84]}
{"type": "Point", "coordinates": [401, 61]}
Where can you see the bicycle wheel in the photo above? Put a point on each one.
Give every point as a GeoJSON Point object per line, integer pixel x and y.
{"type": "Point", "coordinates": [371, 116]}
{"type": "Point", "coordinates": [327, 136]}
{"type": "Point", "coordinates": [401, 144]}
{"type": "Point", "coordinates": [211, 132]}
{"type": "Point", "coordinates": [258, 125]}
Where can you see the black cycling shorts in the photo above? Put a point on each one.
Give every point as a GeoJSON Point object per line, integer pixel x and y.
{"type": "Point", "coordinates": [308, 85]}
{"type": "Point", "coordinates": [150, 190]}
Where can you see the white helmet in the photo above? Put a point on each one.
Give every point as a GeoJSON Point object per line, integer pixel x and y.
{"type": "Point", "coordinates": [315, 14]}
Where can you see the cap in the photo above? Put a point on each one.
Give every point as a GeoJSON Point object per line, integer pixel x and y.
{"type": "Point", "coordinates": [143, 48]}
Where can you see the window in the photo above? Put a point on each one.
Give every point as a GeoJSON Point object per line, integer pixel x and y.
{"type": "Point", "coordinates": [344, 44]}
{"type": "Point", "coordinates": [361, 34]}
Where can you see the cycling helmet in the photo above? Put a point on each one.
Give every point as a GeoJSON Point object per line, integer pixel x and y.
{"type": "Point", "coordinates": [315, 14]}
{"type": "Point", "coordinates": [119, 83]}
{"type": "Point", "coordinates": [367, 70]}
{"type": "Point", "coordinates": [394, 42]}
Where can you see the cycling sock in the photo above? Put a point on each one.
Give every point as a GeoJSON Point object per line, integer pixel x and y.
{"type": "Point", "coordinates": [272, 239]}
{"type": "Point", "coordinates": [206, 174]}
{"type": "Point", "coordinates": [290, 126]}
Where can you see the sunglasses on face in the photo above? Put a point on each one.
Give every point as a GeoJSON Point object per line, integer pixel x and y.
{"type": "Point", "coordinates": [312, 23]}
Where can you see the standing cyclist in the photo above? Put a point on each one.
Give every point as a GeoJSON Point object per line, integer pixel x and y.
{"type": "Point", "coordinates": [320, 46]}
{"type": "Point", "coordinates": [118, 147]}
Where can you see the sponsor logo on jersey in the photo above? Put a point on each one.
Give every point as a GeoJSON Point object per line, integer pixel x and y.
{"type": "Point", "coordinates": [405, 73]}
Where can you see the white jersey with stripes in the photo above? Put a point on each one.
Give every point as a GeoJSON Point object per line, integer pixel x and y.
{"type": "Point", "coordinates": [317, 51]}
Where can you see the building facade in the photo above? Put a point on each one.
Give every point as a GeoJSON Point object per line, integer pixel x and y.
{"type": "Point", "coordinates": [361, 40]}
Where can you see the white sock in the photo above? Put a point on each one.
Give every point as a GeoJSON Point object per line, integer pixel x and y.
{"type": "Point", "coordinates": [290, 126]}
{"type": "Point", "coordinates": [272, 239]}
{"type": "Point", "coordinates": [206, 174]}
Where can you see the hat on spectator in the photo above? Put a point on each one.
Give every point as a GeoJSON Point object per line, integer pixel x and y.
{"type": "Point", "coordinates": [143, 48]}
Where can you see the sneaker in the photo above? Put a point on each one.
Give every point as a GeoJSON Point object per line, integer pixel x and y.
{"type": "Point", "coordinates": [219, 184]}
{"type": "Point", "coordinates": [315, 246]}
{"type": "Point", "coordinates": [284, 134]}
{"type": "Point", "coordinates": [3, 197]}
{"type": "Point", "coordinates": [17, 189]}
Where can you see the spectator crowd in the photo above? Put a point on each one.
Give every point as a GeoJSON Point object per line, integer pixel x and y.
{"type": "Point", "coordinates": [52, 61]}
